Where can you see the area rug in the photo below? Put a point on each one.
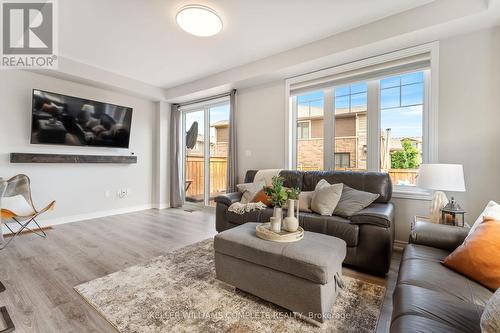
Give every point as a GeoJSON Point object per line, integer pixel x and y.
{"type": "Point", "coordinates": [178, 292]}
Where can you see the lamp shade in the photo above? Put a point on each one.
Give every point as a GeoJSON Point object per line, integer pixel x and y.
{"type": "Point", "coordinates": [441, 177]}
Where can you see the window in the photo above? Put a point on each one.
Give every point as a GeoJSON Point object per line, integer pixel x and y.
{"type": "Point", "coordinates": [310, 111]}
{"type": "Point", "coordinates": [351, 105]}
{"type": "Point", "coordinates": [342, 160]}
{"type": "Point", "coordinates": [376, 114]}
{"type": "Point", "coordinates": [206, 138]}
{"type": "Point", "coordinates": [401, 119]}
{"type": "Point", "coordinates": [303, 130]}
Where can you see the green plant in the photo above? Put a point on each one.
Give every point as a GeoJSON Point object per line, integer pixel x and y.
{"type": "Point", "coordinates": [294, 193]}
{"type": "Point", "coordinates": [408, 158]}
{"type": "Point", "coordinates": [277, 193]}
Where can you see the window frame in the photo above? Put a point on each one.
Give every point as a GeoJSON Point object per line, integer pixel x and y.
{"type": "Point", "coordinates": [308, 121]}
{"type": "Point", "coordinates": [430, 111]}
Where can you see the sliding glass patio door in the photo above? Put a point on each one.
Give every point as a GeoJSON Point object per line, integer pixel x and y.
{"type": "Point", "coordinates": [206, 141]}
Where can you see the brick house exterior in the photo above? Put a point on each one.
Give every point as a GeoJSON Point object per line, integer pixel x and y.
{"type": "Point", "coordinates": [350, 139]}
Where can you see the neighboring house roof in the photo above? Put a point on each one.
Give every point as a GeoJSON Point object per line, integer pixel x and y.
{"type": "Point", "coordinates": [316, 112]}
{"type": "Point", "coordinates": [396, 143]}
{"type": "Point", "coordinates": [220, 123]}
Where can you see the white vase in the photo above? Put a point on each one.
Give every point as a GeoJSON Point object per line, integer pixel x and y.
{"type": "Point", "coordinates": [290, 223]}
{"type": "Point", "coordinates": [278, 213]}
{"type": "Point", "coordinates": [275, 224]}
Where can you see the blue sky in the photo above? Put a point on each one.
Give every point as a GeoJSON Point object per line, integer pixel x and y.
{"type": "Point", "coordinates": [401, 98]}
{"type": "Point", "coordinates": [217, 113]}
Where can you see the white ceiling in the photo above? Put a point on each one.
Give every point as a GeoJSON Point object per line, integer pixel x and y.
{"type": "Point", "coordinates": [139, 38]}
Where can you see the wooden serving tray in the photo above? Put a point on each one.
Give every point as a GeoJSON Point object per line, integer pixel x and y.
{"type": "Point", "coordinates": [264, 231]}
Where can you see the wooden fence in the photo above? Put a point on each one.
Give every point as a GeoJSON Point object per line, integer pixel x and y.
{"type": "Point", "coordinates": [398, 176]}
{"type": "Point", "coordinates": [195, 175]}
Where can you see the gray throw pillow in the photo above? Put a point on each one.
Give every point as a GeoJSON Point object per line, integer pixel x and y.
{"type": "Point", "coordinates": [250, 190]}
{"type": "Point", "coordinates": [352, 201]}
{"type": "Point", "coordinates": [490, 320]}
{"type": "Point", "coordinates": [325, 197]}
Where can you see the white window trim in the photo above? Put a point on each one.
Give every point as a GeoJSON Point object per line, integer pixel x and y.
{"type": "Point", "coordinates": [430, 113]}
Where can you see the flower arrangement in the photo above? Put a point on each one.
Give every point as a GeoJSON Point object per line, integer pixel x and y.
{"type": "Point", "coordinates": [278, 194]}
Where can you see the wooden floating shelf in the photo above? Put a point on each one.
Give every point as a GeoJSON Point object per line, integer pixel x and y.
{"type": "Point", "coordinates": [63, 158]}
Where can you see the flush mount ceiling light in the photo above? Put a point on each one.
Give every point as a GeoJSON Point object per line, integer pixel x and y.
{"type": "Point", "coordinates": [199, 20]}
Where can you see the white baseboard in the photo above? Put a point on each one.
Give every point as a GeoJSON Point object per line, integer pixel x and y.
{"type": "Point", "coordinates": [161, 206]}
{"type": "Point", "coordinates": [399, 245]}
{"type": "Point", "coordinates": [83, 217]}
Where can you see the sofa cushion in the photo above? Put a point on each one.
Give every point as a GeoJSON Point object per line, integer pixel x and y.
{"type": "Point", "coordinates": [330, 225]}
{"type": "Point", "coordinates": [381, 215]}
{"type": "Point", "coordinates": [249, 191]}
{"type": "Point", "coordinates": [490, 319]}
{"type": "Point", "coordinates": [479, 255]}
{"type": "Point", "coordinates": [352, 201]}
{"type": "Point", "coordinates": [436, 306]}
{"type": "Point", "coordinates": [414, 251]}
{"type": "Point", "coordinates": [417, 324]}
{"type": "Point", "coordinates": [316, 258]}
{"type": "Point", "coordinates": [325, 197]}
{"type": "Point", "coordinates": [423, 270]}
{"type": "Point", "coordinates": [262, 215]}
{"type": "Point", "coordinates": [292, 178]}
{"type": "Point", "coordinates": [373, 182]}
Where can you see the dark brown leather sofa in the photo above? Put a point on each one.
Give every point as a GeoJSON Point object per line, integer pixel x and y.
{"type": "Point", "coordinates": [430, 297]}
{"type": "Point", "coordinates": [369, 234]}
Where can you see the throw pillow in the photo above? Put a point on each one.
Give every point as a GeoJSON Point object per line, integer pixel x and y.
{"type": "Point", "coordinates": [352, 201]}
{"type": "Point", "coordinates": [325, 197]}
{"type": "Point", "coordinates": [479, 255]}
{"type": "Point", "coordinates": [249, 191]}
{"type": "Point", "coordinates": [492, 209]}
{"type": "Point", "coordinates": [490, 320]}
{"type": "Point", "coordinates": [16, 206]}
{"type": "Point", "coordinates": [305, 199]}
{"type": "Point", "coordinates": [261, 196]}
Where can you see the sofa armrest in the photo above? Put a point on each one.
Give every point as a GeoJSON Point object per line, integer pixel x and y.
{"type": "Point", "coordinates": [379, 214]}
{"type": "Point", "coordinates": [441, 236]}
{"type": "Point", "coordinates": [229, 198]}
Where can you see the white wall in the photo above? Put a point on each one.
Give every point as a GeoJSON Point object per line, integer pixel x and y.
{"type": "Point", "coordinates": [261, 127]}
{"type": "Point", "coordinates": [469, 120]}
{"type": "Point", "coordinates": [78, 188]}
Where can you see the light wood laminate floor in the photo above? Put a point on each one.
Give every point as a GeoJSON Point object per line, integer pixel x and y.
{"type": "Point", "coordinates": [40, 274]}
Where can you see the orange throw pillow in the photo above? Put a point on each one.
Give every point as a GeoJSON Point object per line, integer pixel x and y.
{"type": "Point", "coordinates": [262, 197]}
{"type": "Point", "coordinates": [479, 256]}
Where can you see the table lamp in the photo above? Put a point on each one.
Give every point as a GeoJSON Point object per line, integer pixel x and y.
{"type": "Point", "coordinates": [441, 177]}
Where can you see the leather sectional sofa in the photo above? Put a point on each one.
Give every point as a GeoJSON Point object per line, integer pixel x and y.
{"type": "Point", "coordinates": [430, 297]}
{"type": "Point", "coordinates": [369, 234]}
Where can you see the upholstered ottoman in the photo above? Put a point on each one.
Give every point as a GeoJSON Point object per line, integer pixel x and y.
{"type": "Point", "coordinates": [303, 276]}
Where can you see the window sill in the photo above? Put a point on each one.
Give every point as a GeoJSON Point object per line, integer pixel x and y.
{"type": "Point", "coordinates": [411, 193]}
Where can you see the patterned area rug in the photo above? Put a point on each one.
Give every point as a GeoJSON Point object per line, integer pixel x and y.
{"type": "Point", "coordinates": [178, 293]}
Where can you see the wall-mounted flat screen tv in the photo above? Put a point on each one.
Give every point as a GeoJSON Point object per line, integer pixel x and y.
{"type": "Point", "coordinates": [65, 120]}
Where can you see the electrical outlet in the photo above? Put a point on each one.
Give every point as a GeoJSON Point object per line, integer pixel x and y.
{"type": "Point", "coordinates": [121, 193]}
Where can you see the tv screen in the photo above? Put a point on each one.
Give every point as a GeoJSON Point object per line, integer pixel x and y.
{"type": "Point", "coordinates": [65, 120]}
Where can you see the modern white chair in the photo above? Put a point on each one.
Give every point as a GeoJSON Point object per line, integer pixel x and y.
{"type": "Point", "coordinates": [17, 207]}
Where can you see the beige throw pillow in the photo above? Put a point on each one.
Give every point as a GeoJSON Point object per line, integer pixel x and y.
{"type": "Point", "coordinates": [250, 190]}
{"type": "Point", "coordinates": [490, 319]}
{"type": "Point", "coordinates": [305, 199]}
{"type": "Point", "coordinates": [325, 197]}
